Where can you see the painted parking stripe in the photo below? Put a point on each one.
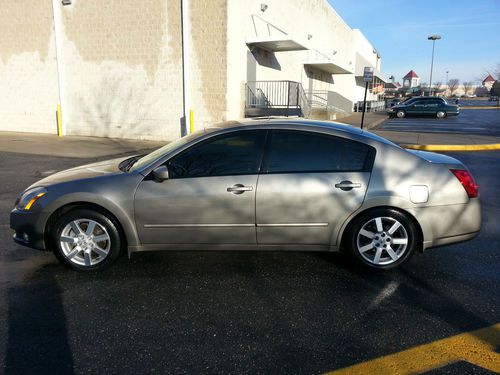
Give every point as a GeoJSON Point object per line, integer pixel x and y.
{"type": "Point", "coordinates": [476, 347]}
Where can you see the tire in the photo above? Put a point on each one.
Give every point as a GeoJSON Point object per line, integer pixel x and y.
{"type": "Point", "coordinates": [441, 114]}
{"type": "Point", "coordinates": [382, 249]}
{"type": "Point", "coordinates": [400, 114]}
{"type": "Point", "coordinates": [86, 240]}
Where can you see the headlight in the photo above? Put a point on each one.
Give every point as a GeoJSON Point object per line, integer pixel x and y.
{"type": "Point", "coordinates": [30, 197]}
{"type": "Point", "coordinates": [390, 109]}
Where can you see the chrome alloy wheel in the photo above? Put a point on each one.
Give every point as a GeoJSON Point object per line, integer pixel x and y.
{"type": "Point", "coordinates": [382, 241]}
{"type": "Point", "coordinates": [441, 114]}
{"type": "Point", "coordinates": [85, 242]}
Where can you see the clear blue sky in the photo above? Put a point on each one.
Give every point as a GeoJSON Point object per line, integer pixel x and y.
{"type": "Point", "coordinates": [398, 29]}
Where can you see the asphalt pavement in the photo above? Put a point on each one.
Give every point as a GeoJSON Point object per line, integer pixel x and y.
{"type": "Point", "coordinates": [471, 121]}
{"type": "Point", "coordinates": [238, 312]}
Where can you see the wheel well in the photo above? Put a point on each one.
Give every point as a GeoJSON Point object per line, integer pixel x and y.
{"type": "Point", "coordinates": [76, 205]}
{"type": "Point", "coordinates": [420, 234]}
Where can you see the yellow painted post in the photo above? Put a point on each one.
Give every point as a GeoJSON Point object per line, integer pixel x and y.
{"type": "Point", "coordinates": [191, 121]}
{"type": "Point", "coordinates": [59, 121]}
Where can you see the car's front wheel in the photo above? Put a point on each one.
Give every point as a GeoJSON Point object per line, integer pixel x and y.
{"type": "Point", "coordinates": [86, 240]}
{"type": "Point", "coordinates": [382, 238]}
{"type": "Point", "coordinates": [401, 114]}
{"type": "Point", "coordinates": [441, 114]}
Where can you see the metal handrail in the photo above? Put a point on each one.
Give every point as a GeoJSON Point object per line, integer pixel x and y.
{"type": "Point", "coordinates": [276, 94]}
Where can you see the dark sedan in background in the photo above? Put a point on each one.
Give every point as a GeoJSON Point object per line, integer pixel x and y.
{"type": "Point", "coordinates": [424, 106]}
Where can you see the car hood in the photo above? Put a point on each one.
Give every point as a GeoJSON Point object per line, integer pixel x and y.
{"type": "Point", "coordinates": [82, 172]}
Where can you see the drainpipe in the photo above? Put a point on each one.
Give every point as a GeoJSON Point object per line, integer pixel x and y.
{"type": "Point", "coordinates": [185, 32]}
{"type": "Point", "coordinates": [61, 106]}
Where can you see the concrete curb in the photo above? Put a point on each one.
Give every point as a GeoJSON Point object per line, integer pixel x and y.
{"type": "Point", "coordinates": [484, 147]}
{"type": "Point", "coordinates": [375, 123]}
{"type": "Point", "coordinates": [480, 107]}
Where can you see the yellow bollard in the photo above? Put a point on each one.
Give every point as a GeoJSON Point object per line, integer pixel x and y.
{"type": "Point", "coordinates": [191, 121]}
{"type": "Point", "coordinates": [59, 121]}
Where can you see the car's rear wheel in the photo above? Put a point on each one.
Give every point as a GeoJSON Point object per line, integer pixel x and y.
{"type": "Point", "coordinates": [86, 240]}
{"type": "Point", "coordinates": [441, 114]}
{"type": "Point", "coordinates": [401, 114]}
{"type": "Point", "coordinates": [382, 238]}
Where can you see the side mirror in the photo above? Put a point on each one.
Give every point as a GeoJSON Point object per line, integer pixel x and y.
{"type": "Point", "coordinates": [161, 173]}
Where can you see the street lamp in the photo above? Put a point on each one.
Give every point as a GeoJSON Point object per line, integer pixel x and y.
{"type": "Point", "coordinates": [433, 38]}
{"type": "Point", "coordinates": [447, 81]}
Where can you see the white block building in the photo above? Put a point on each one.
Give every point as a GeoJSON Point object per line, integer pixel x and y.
{"type": "Point", "coordinates": [116, 66]}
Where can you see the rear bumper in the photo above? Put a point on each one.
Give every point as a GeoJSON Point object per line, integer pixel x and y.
{"type": "Point", "coordinates": [28, 230]}
{"type": "Point", "coordinates": [438, 242]}
{"type": "Point", "coordinates": [444, 225]}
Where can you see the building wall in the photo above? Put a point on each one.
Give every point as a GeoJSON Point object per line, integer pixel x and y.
{"type": "Point", "coordinates": [208, 61]}
{"type": "Point", "coordinates": [122, 68]}
{"type": "Point", "coordinates": [117, 68]}
{"type": "Point", "coordinates": [299, 18]}
{"type": "Point", "coordinates": [28, 69]}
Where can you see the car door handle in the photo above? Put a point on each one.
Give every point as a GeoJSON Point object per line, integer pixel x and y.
{"type": "Point", "coordinates": [347, 185]}
{"type": "Point", "coordinates": [239, 189]}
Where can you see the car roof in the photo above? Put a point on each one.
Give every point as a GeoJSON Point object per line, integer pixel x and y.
{"type": "Point", "coordinates": [272, 121]}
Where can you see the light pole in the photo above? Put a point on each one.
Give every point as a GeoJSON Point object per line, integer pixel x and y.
{"type": "Point", "coordinates": [433, 38]}
{"type": "Point", "coordinates": [447, 82]}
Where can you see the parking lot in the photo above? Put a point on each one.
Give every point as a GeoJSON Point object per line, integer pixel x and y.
{"type": "Point", "coordinates": [245, 312]}
{"type": "Point", "coordinates": [471, 121]}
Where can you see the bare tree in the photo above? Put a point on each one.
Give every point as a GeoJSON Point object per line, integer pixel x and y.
{"type": "Point", "coordinates": [495, 71]}
{"type": "Point", "coordinates": [467, 86]}
{"type": "Point", "coordinates": [453, 85]}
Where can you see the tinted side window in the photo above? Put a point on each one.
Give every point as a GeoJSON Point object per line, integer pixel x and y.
{"type": "Point", "coordinates": [230, 154]}
{"type": "Point", "coordinates": [300, 151]}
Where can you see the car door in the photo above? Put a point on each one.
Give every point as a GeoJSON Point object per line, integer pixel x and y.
{"type": "Point", "coordinates": [417, 108]}
{"type": "Point", "coordinates": [309, 184]}
{"type": "Point", "coordinates": [432, 106]}
{"type": "Point", "coordinates": [209, 196]}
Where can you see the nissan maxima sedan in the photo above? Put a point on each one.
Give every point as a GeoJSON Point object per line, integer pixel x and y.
{"type": "Point", "coordinates": [293, 185]}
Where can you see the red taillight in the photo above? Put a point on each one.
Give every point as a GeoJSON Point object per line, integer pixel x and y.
{"type": "Point", "coordinates": [467, 182]}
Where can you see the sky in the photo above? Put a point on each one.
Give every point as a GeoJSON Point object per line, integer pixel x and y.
{"type": "Point", "coordinates": [398, 29]}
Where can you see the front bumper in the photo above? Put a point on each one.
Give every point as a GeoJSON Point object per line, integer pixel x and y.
{"type": "Point", "coordinates": [28, 228]}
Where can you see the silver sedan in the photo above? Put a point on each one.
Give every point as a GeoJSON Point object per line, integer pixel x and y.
{"type": "Point", "coordinates": [260, 185]}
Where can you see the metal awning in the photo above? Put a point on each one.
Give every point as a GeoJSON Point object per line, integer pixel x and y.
{"type": "Point", "coordinates": [381, 77]}
{"type": "Point", "coordinates": [277, 44]}
{"type": "Point", "coordinates": [327, 66]}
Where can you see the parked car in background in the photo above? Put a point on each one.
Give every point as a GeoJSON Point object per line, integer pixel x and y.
{"type": "Point", "coordinates": [265, 185]}
{"type": "Point", "coordinates": [424, 106]}
{"type": "Point", "coordinates": [392, 102]}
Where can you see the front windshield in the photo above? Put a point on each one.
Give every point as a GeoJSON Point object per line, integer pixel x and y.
{"type": "Point", "coordinates": [147, 159]}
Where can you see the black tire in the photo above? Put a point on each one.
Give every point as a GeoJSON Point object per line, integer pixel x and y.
{"type": "Point", "coordinates": [400, 114]}
{"type": "Point", "coordinates": [104, 223]}
{"type": "Point", "coordinates": [354, 240]}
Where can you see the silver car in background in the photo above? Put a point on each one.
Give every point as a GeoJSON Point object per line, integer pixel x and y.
{"type": "Point", "coordinates": [259, 185]}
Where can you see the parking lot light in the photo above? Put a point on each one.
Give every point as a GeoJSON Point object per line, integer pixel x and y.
{"type": "Point", "coordinates": [433, 38]}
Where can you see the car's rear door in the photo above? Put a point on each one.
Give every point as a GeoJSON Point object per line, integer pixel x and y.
{"type": "Point", "coordinates": [310, 182]}
{"type": "Point", "coordinates": [210, 194]}
{"type": "Point", "coordinates": [433, 106]}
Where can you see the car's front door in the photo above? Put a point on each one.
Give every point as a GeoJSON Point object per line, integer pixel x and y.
{"type": "Point", "coordinates": [209, 196]}
{"type": "Point", "coordinates": [417, 108]}
{"type": "Point", "coordinates": [309, 184]}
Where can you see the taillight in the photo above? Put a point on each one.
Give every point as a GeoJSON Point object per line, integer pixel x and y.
{"type": "Point", "coordinates": [467, 182]}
